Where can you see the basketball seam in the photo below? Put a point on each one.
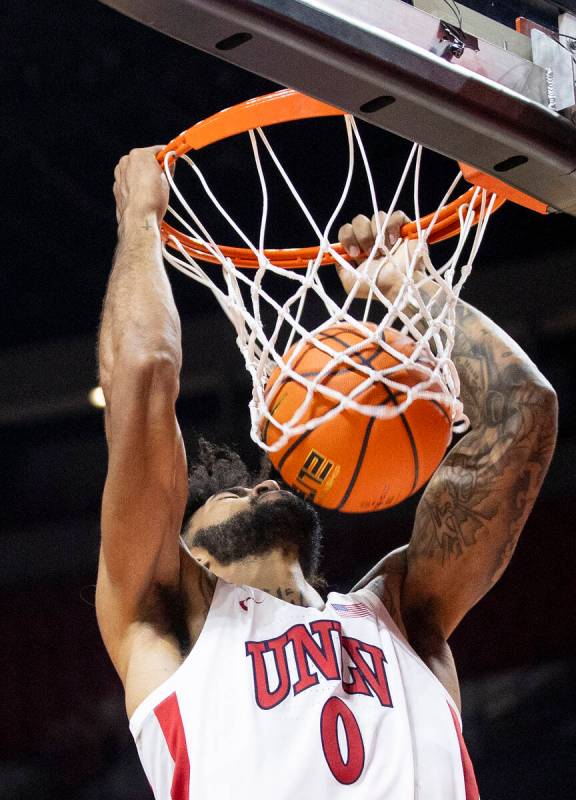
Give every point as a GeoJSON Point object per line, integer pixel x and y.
{"type": "Point", "coordinates": [346, 368]}
{"type": "Point", "coordinates": [408, 430]}
{"type": "Point", "coordinates": [359, 463]}
{"type": "Point", "coordinates": [442, 409]}
{"type": "Point", "coordinates": [292, 447]}
{"type": "Point", "coordinates": [411, 440]}
{"type": "Point", "coordinates": [305, 350]}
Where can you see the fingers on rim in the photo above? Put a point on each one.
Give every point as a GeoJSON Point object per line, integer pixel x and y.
{"type": "Point", "coordinates": [359, 235]}
{"type": "Point", "coordinates": [392, 225]}
{"type": "Point", "coordinates": [377, 221]}
{"type": "Point", "coordinates": [398, 219]}
{"type": "Point", "coordinates": [348, 240]}
{"type": "Point", "coordinates": [363, 232]}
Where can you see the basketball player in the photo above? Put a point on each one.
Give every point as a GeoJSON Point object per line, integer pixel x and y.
{"type": "Point", "coordinates": [241, 680]}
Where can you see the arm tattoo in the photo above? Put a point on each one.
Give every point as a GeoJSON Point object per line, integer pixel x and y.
{"type": "Point", "coordinates": [449, 525]}
{"type": "Point", "coordinates": [496, 469]}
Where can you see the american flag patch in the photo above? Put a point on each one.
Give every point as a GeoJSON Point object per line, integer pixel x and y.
{"type": "Point", "coordinates": [351, 610]}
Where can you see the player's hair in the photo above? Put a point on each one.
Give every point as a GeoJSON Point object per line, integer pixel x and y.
{"type": "Point", "coordinates": [216, 468]}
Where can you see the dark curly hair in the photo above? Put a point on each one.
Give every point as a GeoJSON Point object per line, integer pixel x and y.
{"type": "Point", "coordinates": [218, 467]}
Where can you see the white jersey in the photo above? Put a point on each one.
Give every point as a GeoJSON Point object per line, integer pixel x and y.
{"type": "Point", "coordinates": [279, 701]}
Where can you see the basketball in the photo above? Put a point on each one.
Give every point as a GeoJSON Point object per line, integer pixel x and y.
{"type": "Point", "coordinates": [352, 462]}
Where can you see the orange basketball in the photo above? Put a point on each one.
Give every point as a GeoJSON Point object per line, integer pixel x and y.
{"type": "Point", "coordinates": [353, 462]}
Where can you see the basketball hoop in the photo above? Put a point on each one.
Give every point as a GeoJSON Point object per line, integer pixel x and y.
{"type": "Point", "coordinates": [288, 105]}
{"type": "Point", "coordinates": [424, 308]}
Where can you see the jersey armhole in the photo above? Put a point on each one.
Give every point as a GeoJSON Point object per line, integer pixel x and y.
{"type": "Point", "coordinates": [381, 612]}
{"type": "Point", "coordinates": [379, 608]}
{"type": "Point", "coordinates": [161, 692]}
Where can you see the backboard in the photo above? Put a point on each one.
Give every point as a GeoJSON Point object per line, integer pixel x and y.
{"type": "Point", "coordinates": [460, 80]}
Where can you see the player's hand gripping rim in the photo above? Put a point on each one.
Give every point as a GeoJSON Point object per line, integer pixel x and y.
{"type": "Point", "coordinates": [390, 262]}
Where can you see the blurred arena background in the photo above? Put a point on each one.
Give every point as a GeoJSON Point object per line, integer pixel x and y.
{"type": "Point", "coordinates": [81, 86]}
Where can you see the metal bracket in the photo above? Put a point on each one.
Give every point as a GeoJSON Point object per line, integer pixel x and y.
{"type": "Point", "coordinates": [452, 42]}
{"type": "Point", "coordinates": [556, 53]}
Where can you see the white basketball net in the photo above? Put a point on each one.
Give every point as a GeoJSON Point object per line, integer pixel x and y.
{"type": "Point", "coordinates": [424, 307]}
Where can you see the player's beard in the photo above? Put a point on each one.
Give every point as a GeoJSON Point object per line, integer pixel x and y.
{"type": "Point", "coordinates": [284, 521]}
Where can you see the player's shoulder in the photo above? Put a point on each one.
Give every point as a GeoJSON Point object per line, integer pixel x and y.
{"type": "Point", "coordinates": [385, 580]}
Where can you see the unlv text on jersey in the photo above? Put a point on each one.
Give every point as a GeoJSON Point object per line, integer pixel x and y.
{"type": "Point", "coordinates": [334, 656]}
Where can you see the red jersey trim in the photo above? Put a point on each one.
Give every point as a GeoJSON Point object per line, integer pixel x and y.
{"type": "Point", "coordinates": [470, 785]}
{"type": "Point", "coordinates": [168, 715]}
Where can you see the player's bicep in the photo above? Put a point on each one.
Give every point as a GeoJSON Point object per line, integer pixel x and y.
{"type": "Point", "coordinates": [473, 511]}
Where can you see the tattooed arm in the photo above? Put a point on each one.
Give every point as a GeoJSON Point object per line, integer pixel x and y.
{"type": "Point", "coordinates": [474, 508]}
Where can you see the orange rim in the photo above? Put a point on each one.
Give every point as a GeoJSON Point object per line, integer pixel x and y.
{"type": "Point", "coordinates": [287, 105]}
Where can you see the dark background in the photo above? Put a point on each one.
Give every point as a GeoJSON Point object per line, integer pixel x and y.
{"type": "Point", "coordinates": [80, 86]}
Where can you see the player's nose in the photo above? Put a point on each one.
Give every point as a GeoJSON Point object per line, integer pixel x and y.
{"type": "Point", "coordinates": [265, 486]}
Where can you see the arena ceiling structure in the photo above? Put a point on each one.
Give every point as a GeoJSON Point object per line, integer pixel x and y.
{"type": "Point", "coordinates": [81, 86]}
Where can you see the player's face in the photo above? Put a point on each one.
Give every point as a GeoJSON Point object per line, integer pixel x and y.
{"type": "Point", "coordinates": [243, 522]}
{"type": "Point", "coordinates": [220, 507]}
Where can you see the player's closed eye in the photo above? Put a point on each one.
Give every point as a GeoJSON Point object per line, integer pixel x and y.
{"type": "Point", "coordinates": [235, 491]}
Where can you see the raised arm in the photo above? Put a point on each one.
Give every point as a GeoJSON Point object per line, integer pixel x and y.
{"type": "Point", "coordinates": [475, 506]}
{"type": "Point", "coordinates": [139, 359]}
